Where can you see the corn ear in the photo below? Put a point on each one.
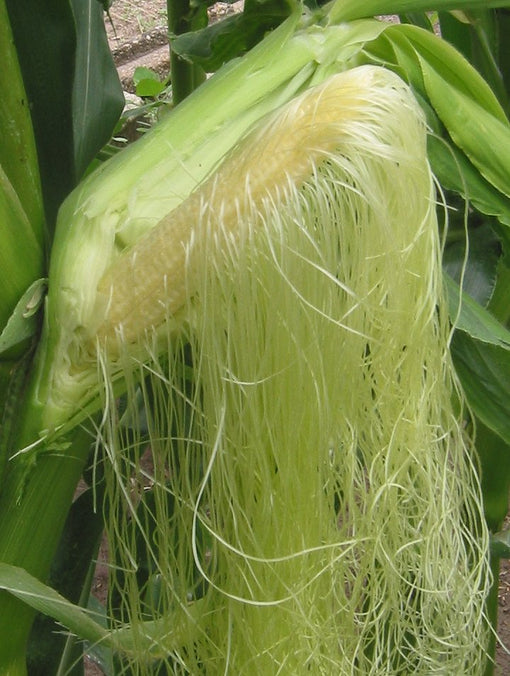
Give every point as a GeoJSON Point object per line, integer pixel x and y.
{"type": "Point", "coordinates": [112, 210]}
{"type": "Point", "coordinates": [312, 489]}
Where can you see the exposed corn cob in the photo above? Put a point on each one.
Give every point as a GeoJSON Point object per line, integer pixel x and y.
{"type": "Point", "coordinates": [147, 283]}
{"type": "Point", "coordinates": [128, 196]}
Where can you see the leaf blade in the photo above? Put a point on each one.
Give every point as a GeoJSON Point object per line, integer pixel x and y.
{"type": "Point", "coordinates": [97, 97]}
{"type": "Point", "coordinates": [45, 39]}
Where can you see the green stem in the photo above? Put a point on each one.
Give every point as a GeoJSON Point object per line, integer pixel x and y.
{"type": "Point", "coordinates": [34, 502]}
{"type": "Point", "coordinates": [185, 76]}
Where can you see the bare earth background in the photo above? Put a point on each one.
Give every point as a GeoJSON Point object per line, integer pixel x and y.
{"type": "Point", "coordinates": [137, 34]}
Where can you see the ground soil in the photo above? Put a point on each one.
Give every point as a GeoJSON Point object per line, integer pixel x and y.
{"type": "Point", "coordinates": [138, 37]}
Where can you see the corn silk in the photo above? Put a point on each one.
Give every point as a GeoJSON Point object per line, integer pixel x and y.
{"type": "Point", "coordinates": [288, 481]}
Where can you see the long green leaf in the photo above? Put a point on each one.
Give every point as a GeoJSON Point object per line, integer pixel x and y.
{"type": "Point", "coordinates": [347, 10]}
{"type": "Point", "coordinates": [45, 38]}
{"type": "Point", "coordinates": [474, 320]}
{"type": "Point", "coordinates": [82, 623]}
{"type": "Point", "coordinates": [476, 35]}
{"type": "Point", "coordinates": [44, 599]}
{"type": "Point", "coordinates": [481, 354]}
{"type": "Point", "coordinates": [462, 100]}
{"type": "Point", "coordinates": [98, 99]}
{"type": "Point", "coordinates": [494, 455]}
{"type": "Point", "coordinates": [18, 157]}
{"type": "Point", "coordinates": [456, 172]}
{"type": "Point", "coordinates": [78, 546]}
{"type": "Point", "coordinates": [484, 371]}
{"type": "Point", "coordinates": [220, 42]}
{"type": "Point", "coordinates": [503, 22]}
{"type": "Point", "coordinates": [479, 269]}
{"type": "Point", "coordinates": [456, 72]}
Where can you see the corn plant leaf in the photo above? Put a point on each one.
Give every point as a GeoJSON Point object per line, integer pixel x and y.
{"type": "Point", "coordinates": [476, 131]}
{"type": "Point", "coordinates": [481, 354]}
{"type": "Point", "coordinates": [45, 39]}
{"type": "Point", "coordinates": [89, 625]}
{"type": "Point", "coordinates": [21, 254]}
{"type": "Point", "coordinates": [478, 271]}
{"type": "Point", "coordinates": [72, 88]}
{"type": "Point", "coordinates": [100, 654]}
{"type": "Point", "coordinates": [473, 319]}
{"type": "Point", "coordinates": [69, 571]}
{"type": "Point", "coordinates": [484, 371]}
{"type": "Point", "coordinates": [220, 42]}
{"type": "Point", "coordinates": [500, 544]}
{"type": "Point", "coordinates": [97, 94]}
{"type": "Point", "coordinates": [347, 10]}
{"type": "Point", "coordinates": [503, 22]}
{"type": "Point", "coordinates": [494, 457]}
{"type": "Point", "coordinates": [18, 157]}
{"type": "Point", "coordinates": [44, 599]}
{"type": "Point", "coordinates": [462, 100]}
{"type": "Point", "coordinates": [430, 52]}
{"type": "Point", "coordinates": [499, 304]}
{"type": "Point", "coordinates": [478, 35]}
{"type": "Point", "coordinates": [456, 172]}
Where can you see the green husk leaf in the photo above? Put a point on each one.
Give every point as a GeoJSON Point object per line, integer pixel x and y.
{"type": "Point", "coordinates": [23, 322]}
{"type": "Point", "coordinates": [424, 47]}
{"type": "Point", "coordinates": [469, 123]}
